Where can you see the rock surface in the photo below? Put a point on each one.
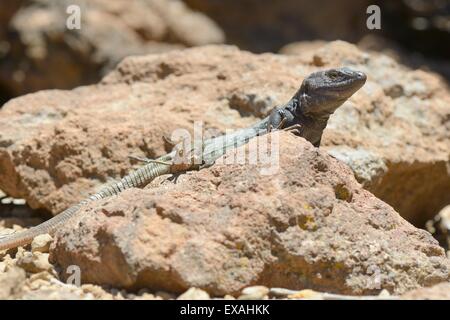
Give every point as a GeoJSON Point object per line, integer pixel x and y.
{"type": "Point", "coordinates": [22, 276]}
{"type": "Point", "coordinates": [440, 291]}
{"type": "Point", "coordinates": [308, 225]}
{"type": "Point", "coordinates": [58, 146]}
{"type": "Point", "coordinates": [37, 50]}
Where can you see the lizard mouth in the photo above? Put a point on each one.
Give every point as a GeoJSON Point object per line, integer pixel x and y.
{"type": "Point", "coordinates": [350, 85]}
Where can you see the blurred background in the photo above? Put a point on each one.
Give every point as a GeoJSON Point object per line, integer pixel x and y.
{"type": "Point", "coordinates": [37, 51]}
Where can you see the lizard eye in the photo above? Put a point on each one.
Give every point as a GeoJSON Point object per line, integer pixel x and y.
{"type": "Point", "coordinates": [333, 74]}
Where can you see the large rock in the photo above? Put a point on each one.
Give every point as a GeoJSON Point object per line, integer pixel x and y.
{"type": "Point", "coordinates": [37, 50]}
{"type": "Point", "coordinates": [58, 146]}
{"type": "Point", "coordinates": [308, 224]}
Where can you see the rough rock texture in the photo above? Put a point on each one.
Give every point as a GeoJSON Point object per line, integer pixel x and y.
{"type": "Point", "coordinates": [309, 225]}
{"type": "Point", "coordinates": [37, 51]}
{"type": "Point", "coordinates": [11, 282]}
{"type": "Point", "coordinates": [58, 146]}
{"type": "Point", "coordinates": [440, 291]}
{"type": "Point", "coordinates": [396, 136]}
{"type": "Point", "coordinates": [28, 275]}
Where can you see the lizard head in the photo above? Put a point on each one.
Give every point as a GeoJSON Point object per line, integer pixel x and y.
{"type": "Point", "coordinates": [323, 92]}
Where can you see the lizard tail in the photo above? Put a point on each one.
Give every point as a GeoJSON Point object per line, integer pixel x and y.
{"type": "Point", "coordinates": [25, 237]}
{"type": "Point", "coordinates": [138, 178]}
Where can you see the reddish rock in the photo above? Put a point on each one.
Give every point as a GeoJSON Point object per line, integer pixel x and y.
{"type": "Point", "coordinates": [309, 225]}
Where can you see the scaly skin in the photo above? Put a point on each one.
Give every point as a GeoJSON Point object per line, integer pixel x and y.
{"type": "Point", "coordinates": [318, 97]}
{"type": "Point", "coordinates": [136, 179]}
{"type": "Point", "coordinates": [308, 112]}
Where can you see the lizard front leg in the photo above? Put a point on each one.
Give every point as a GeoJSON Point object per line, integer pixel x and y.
{"type": "Point", "coordinates": [277, 120]}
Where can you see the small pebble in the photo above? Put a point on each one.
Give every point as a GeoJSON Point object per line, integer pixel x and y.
{"type": "Point", "coordinates": [305, 294]}
{"type": "Point", "coordinates": [7, 200]}
{"type": "Point", "coordinates": [97, 291]}
{"type": "Point", "coordinates": [194, 294]}
{"type": "Point", "coordinates": [41, 243]}
{"type": "Point", "coordinates": [147, 296]}
{"type": "Point", "coordinates": [41, 276]}
{"type": "Point", "coordinates": [384, 293]}
{"type": "Point", "coordinates": [34, 262]}
{"type": "Point", "coordinates": [19, 202]}
{"type": "Point", "coordinates": [254, 293]}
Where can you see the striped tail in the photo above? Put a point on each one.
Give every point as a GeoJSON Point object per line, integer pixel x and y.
{"type": "Point", "coordinates": [135, 179]}
{"type": "Point", "coordinates": [49, 226]}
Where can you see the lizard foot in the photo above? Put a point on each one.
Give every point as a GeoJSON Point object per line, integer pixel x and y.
{"type": "Point", "coordinates": [281, 124]}
{"type": "Point", "coordinates": [271, 127]}
{"type": "Point", "coordinates": [295, 129]}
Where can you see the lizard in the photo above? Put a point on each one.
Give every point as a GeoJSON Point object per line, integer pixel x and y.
{"type": "Point", "coordinates": [307, 113]}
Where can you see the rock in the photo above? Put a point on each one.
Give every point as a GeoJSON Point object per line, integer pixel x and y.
{"type": "Point", "coordinates": [147, 296]}
{"type": "Point", "coordinates": [306, 294]}
{"type": "Point", "coordinates": [165, 295]}
{"type": "Point", "coordinates": [19, 202]}
{"type": "Point", "coordinates": [254, 293]}
{"type": "Point", "coordinates": [229, 226]}
{"type": "Point", "coordinates": [40, 52]}
{"type": "Point", "coordinates": [194, 294]}
{"type": "Point", "coordinates": [11, 282]}
{"type": "Point", "coordinates": [394, 134]}
{"type": "Point", "coordinates": [34, 262]}
{"type": "Point", "coordinates": [41, 243]}
{"type": "Point", "coordinates": [96, 291]}
{"type": "Point", "coordinates": [52, 294]}
{"type": "Point", "coordinates": [440, 291]}
{"type": "Point", "coordinates": [28, 276]}
{"type": "Point", "coordinates": [295, 48]}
